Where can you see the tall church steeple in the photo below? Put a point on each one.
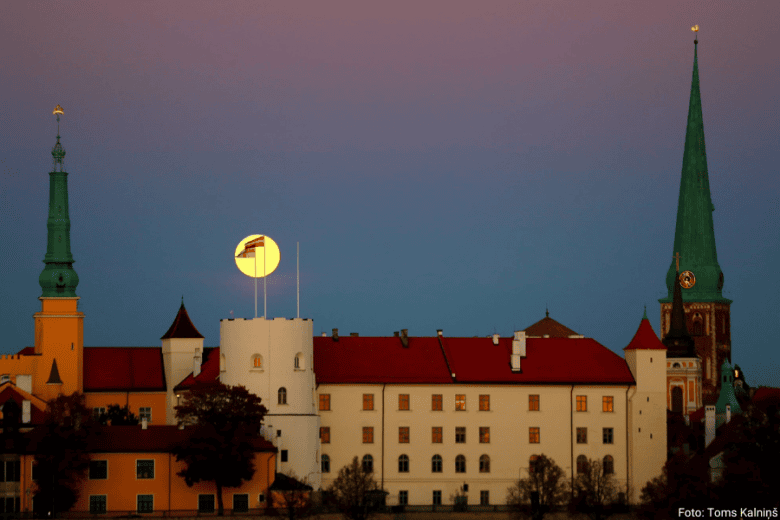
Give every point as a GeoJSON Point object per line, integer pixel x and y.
{"type": "Point", "coordinates": [58, 278]}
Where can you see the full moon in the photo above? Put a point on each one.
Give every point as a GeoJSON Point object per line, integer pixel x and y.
{"type": "Point", "coordinates": [266, 258]}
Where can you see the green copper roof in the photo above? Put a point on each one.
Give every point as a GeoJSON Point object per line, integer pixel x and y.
{"type": "Point", "coordinates": [727, 395]}
{"type": "Point", "coordinates": [694, 236]}
{"type": "Point", "coordinates": [58, 278]}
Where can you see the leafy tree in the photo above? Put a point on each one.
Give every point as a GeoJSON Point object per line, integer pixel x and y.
{"type": "Point", "coordinates": [61, 459]}
{"type": "Point", "coordinates": [460, 500]}
{"type": "Point", "coordinates": [117, 415]}
{"type": "Point", "coordinates": [353, 491]}
{"type": "Point", "coordinates": [226, 420]}
{"type": "Point", "coordinates": [681, 484]}
{"type": "Point", "coordinates": [595, 492]}
{"type": "Point", "coordinates": [538, 494]}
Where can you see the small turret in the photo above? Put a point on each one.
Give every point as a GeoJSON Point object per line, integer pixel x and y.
{"type": "Point", "coordinates": [727, 396]}
{"type": "Point", "coordinates": [678, 341]}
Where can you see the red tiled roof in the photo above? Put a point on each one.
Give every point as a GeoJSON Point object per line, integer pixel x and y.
{"type": "Point", "coordinates": [125, 369]}
{"type": "Point", "coordinates": [379, 359]}
{"type": "Point", "coordinates": [27, 351]}
{"type": "Point", "coordinates": [547, 360]}
{"type": "Point", "coordinates": [209, 369]}
{"type": "Point", "coordinates": [549, 327]}
{"type": "Point", "coordinates": [182, 326]}
{"type": "Point", "coordinates": [645, 338]}
{"type": "Point", "coordinates": [37, 405]}
{"type": "Point", "coordinates": [766, 396]}
{"type": "Point", "coordinates": [155, 439]}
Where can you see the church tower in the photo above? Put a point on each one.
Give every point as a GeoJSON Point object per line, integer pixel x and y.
{"type": "Point", "coordinates": [59, 327]}
{"type": "Point", "coordinates": [706, 311]}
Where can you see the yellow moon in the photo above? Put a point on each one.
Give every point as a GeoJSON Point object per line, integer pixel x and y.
{"type": "Point", "coordinates": [267, 258]}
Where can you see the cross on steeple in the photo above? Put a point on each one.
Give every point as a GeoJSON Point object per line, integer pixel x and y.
{"type": "Point", "coordinates": [676, 257]}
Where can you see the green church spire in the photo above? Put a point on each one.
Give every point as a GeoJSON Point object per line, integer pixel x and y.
{"type": "Point", "coordinates": [694, 237]}
{"type": "Point", "coordinates": [58, 278]}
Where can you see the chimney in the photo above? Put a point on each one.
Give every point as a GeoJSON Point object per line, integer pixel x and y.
{"type": "Point", "coordinates": [518, 349]}
{"type": "Point", "coordinates": [335, 334]}
{"type": "Point", "coordinates": [439, 332]}
{"type": "Point", "coordinates": [144, 424]}
{"type": "Point", "coordinates": [24, 382]}
{"type": "Point", "coordinates": [395, 334]}
{"type": "Point", "coordinates": [728, 413]}
{"type": "Point", "coordinates": [354, 335]}
{"type": "Point", "coordinates": [26, 411]}
{"type": "Point", "coordinates": [196, 362]}
{"type": "Point", "coordinates": [405, 337]}
{"type": "Point", "coordinates": [495, 339]}
{"type": "Point", "coordinates": [709, 425]}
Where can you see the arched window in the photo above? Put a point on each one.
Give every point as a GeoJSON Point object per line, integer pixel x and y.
{"type": "Point", "coordinates": [608, 465]}
{"type": "Point", "coordinates": [697, 327]}
{"type": "Point", "coordinates": [403, 464]}
{"type": "Point", "coordinates": [299, 364]}
{"type": "Point", "coordinates": [532, 463]}
{"type": "Point", "coordinates": [325, 464]}
{"type": "Point", "coordinates": [368, 464]}
{"type": "Point", "coordinates": [436, 463]}
{"type": "Point", "coordinates": [676, 365]}
{"type": "Point", "coordinates": [257, 362]}
{"type": "Point", "coordinates": [582, 464]}
{"type": "Point", "coordinates": [677, 399]}
{"type": "Point", "coordinates": [460, 464]}
{"type": "Point", "coordinates": [484, 464]}
{"type": "Point", "coordinates": [282, 395]}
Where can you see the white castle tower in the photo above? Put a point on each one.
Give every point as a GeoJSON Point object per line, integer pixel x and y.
{"type": "Point", "coordinates": [274, 360]}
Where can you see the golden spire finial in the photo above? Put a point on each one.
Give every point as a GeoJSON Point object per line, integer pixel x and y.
{"type": "Point", "coordinates": [58, 110]}
{"type": "Point", "coordinates": [695, 29]}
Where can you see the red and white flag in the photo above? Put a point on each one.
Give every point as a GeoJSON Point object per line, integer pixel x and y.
{"type": "Point", "coordinates": [249, 247]}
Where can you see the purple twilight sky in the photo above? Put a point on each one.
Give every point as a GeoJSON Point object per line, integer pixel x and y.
{"type": "Point", "coordinates": [444, 164]}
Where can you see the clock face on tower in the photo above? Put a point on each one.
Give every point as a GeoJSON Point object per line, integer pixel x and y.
{"type": "Point", "coordinates": [687, 280]}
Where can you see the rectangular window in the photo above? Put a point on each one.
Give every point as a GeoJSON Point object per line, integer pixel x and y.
{"type": "Point", "coordinates": [533, 435]}
{"type": "Point", "coordinates": [11, 506]}
{"type": "Point", "coordinates": [324, 402]}
{"type": "Point", "coordinates": [436, 434]}
{"type": "Point", "coordinates": [98, 469]}
{"type": "Point", "coordinates": [284, 455]}
{"type": "Point", "coordinates": [145, 503]}
{"type": "Point", "coordinates": [533, 403]}
{"type": "Point", "coordinates": [144, 469]}
{"type": "Point", "coordinates": [403, 401]}
{"type": "Point", "coordinates": [582, 403]}
{"type": "Point", "coordinates": [460, 402]}
{"type": "Point", "coordinates": [460, 434]}
{"type": "Point", "coordinates": [97, 412]}
{"type": "Point", "coordinates": [607, 404]}
{"type": "Point", "coordinates": [34, 471]}
{"type": "Point", "coordinates": [145, 412]}
{"type": "Point", "coordinates": [368, 434]}
{"type": "Point", "coordinates": [97, 504]}
{"type": "Point", "coordinates": [205, 503]}
{"type": "Point", "coordinates": [484, 434]}
{"type": "Point", "coordinates": [403, 497]}
{"type": "Point", "coordinates": [437, 497]}
{"type": "Point", "coordinates": [608, 435]}
{"type": "Point", "coordinates": [484, 497]}
{"type": "Point", "coordinates": [241, 503]}
{"type": "Point", "coordinates": [436, 403]}
{"type": "Point", "coordinates": [484, 403]}
{"type": "Point", "coordinates": [582, 435]}
{"type": "Point", "coordinates": [9, 471]}
{"type": "Point", "coordinates": [368, 401]}
{"type": "Point", "coordinates": [403, 434]}
{"type": "Point", "coordinates": [325, 434]}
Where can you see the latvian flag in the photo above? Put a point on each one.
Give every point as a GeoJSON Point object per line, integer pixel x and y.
{"type": "Point", "coordinates": [249, 248]}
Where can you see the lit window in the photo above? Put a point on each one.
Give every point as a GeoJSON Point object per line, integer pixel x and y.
{"type": "Point", "coordinates": [608, 435]}
{"type": "Point", "coordinates": [582, 464]}
{"type": "Point", "coordinates": [368, 434]}
{"type": "Point", "coordinates": [97, 504]}
{"type": "Point", "coordinates": [145, 504]}
{"type": "Point", "coordinates": [582, 403]}
{"type": "Point", "coordinates": [533, 435]}
{"type": "Point", "coordinates": [608, 465]}
{"type": "Point", "coordinates": [460, 434]}
{"type": "Point", "coordinates": [484, 464]}
{"type": "Point", "coordinates": [205, 503]}
{"type": "Point", "coordinates": [98, 469]}
{"type": "Point", "coordinates": [257, 362]}
{"type": "Point", "coordinates": [403, 464]}
{"type": "Point", "coordinates": [484, 434]}
{"type": "Point", "coordinates": [368, 464]}
{"type": "Point", "coordinates": [436, 402]}
{"type": "Point", "coordinates": [436, 434]}
{"type": "Point", "coordinates": [460, 402]}
{"type": "Point", "coordinates": [484, 403]}
{"type": "Point", "coordinates": [144, 469]}
{"type": "Point", "coordinates": [403, 401]}
{"type": "Point", "coordinates": [533, 403]}
{"type": "Point", "coordinates": [607, 404]}
{"type": "Point", "coordinates": [460, 464]}
{"type": "Point", "coordinates": [403, 497]}
{"type": "Point", "coordinates": [324, 402]}
{"type": "Point", "coordinates": [282, 395]}
{"type": "Point", "coordinates": [403, 434]}
{"type": "Point", "coordinates": [582, 435]}
{"type": "Point", "coordinates": [325, 434]}
{"type": "Point", "coordinates": [240, 503]}
{"type": "Point", "coordinates": [325, 464]}
{"type": "Point", "coordinates": [436, 464]}
{"type": "Point", "coordinates": [368, 401]}
{"type": "Point", "coordinates": [145, 412]}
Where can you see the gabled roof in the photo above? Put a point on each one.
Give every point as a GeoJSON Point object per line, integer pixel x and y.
{"type": "Point", "coordinates": [645, 338]}
{"type": "Point", "coordinates": [209, 370]}
{"type": "Point", "coordinates": [182, 326]}
{"type": "Point", "coordinates": [37, 405]}
{"type": "Point", "coordinates": [549, 327]}
{"type": "Point", "coordinates": [27, 351]}
{"type": "Point", "coordinates": [123, 369]}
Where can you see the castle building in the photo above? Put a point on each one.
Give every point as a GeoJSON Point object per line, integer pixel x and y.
{"type": "Point", "coordinates": [693, 369]}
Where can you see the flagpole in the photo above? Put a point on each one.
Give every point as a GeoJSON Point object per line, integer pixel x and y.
{"type": "Point", "coordinates": [298, 275]}
{"type": "Point", "coordinates": [255, 257]}
{"type": "Point", "coordinates": [265, 275]}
